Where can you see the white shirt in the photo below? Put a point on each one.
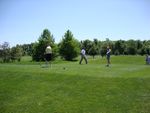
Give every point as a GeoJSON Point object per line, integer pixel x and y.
{"type": "Point", "coordinates": [83, 52]}
{"type": "Point", "coordinates": [48, 50]}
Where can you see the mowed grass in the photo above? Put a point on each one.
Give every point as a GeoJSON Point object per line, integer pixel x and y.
{"type": "Point", "coordinates": [68, 87]}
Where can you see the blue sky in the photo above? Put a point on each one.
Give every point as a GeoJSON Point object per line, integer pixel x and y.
{"type": "Point", "coordinates": [22, 21]}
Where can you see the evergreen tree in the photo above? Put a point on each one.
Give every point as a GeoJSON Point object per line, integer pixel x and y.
{"type": "Point", "coordinates": [69, 47]}
{"type": "Point", "coordinates": [45, 39]}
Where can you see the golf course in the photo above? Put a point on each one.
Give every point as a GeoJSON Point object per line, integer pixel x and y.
{"type": "Point", "coordinates": [68, 87]}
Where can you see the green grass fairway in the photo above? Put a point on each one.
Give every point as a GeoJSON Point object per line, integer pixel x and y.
{"type": "Point", "coordinates": [68, 87]}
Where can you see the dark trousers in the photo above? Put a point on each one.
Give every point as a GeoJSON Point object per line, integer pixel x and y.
{"type": "Point", "coordinates": [108, 59]}
{"type": "Point", "coordinates": [83, 57]}
{"type": "Point", "coordinates": [48, 58]}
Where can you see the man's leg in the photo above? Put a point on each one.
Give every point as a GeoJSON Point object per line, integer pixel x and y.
{"type": "Point", "coordinates": [81, 59]}
{"type": "Point", "coordinates": [50, 60]}
{"type": "Point", "coordinates": [85, 59]}
{"type": "Point", "coordinates": [148, 60]}
{"type": "Point", "coordinates": [107, 61]}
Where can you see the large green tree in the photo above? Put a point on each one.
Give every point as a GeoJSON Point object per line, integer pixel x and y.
{"type": "Point", "coordinates": [69, 46]}
{"type": "Point", "coordinates": [45, 39]}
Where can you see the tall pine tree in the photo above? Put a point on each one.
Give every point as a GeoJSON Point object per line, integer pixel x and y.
{"type": "Point", "coordinates": [69, 47]}
{"type": "Point", "coordinates": [45, 39]}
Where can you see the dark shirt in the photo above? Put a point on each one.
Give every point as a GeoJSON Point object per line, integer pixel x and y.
{"type": "Point", "coordinates": [108, 53]}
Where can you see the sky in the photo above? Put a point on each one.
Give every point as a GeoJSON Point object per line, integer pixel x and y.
{"type": "Point", "coordinates": [23, 21]}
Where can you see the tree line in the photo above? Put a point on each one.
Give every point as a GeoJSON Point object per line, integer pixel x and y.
{"type": "Point", "coordinates": [69, 47]}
